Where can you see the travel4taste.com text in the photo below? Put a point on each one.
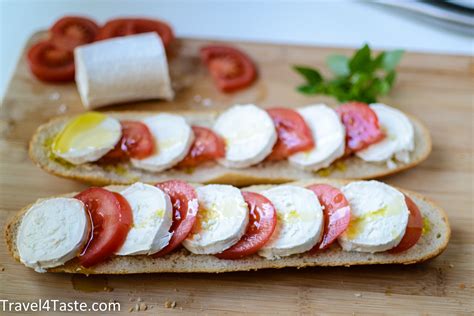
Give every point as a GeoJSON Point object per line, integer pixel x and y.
{"type": "Point", "coordinates": [54, 305]}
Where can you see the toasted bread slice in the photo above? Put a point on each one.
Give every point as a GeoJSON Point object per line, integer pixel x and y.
{"type": "Point", "coordinates": [266, 172]}
{"type": "Point", "coordinates": [434, 240]}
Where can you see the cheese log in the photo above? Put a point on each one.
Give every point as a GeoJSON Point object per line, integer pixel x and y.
{"type": "Point", "coordinates": [122, 69]}
{"type": "Point", "coordinates": [433, 241]}
{"type": "Point", "coordinates": [274, 172]}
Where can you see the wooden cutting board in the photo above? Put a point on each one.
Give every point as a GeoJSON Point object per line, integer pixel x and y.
{"type": "Point", "coordinates": [436, 88]}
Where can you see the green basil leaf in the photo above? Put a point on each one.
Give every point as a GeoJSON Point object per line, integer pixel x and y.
{"type": "Point", "coordinates": [392, 58]}
{"type": "Point", "coordinates": [390, 78]}
{"type": "Point", "coordinates": [339, 65]}
{"type": "Point", "coordinates": [307, 89]}
{"type": "Point", "coordinates": [361, 61]}
{"type": "Point", "coordinates": [311, 75]}
{"type": "Point", "coordinates": [378, 61]}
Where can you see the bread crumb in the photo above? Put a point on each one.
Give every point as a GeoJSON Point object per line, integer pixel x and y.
{"type": "Point", "coordinates": [451, 265]}
{"type": "Point", "coordinates": [139, 299]}
{"type": "Point", "coordinates": [357, 294]}
{"type": "Point", "coordinates": [2, 268]}
{"type": "Point", "coordinates": [462, 286]}
{"type": "Point", "coordinates": [108, 289]}
{"type": "Point", "coordinates": [137, 307]}
{"type": "Point", "coordinates": [143, 307]}
{"type": "Point", "coordinates": [169, 304]}
{"type": "Point", "coordinates": [130, 309]}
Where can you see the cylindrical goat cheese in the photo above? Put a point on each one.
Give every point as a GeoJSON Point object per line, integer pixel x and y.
{"type": "Point", "coordinates": [122, 69]}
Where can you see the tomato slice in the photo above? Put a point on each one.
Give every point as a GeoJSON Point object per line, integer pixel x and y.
{"type": "Point", "coordinates": [185, 208]}
{"type": "Point", "coordinates": [262, 223]}
{"type": "Point", "coordinates": [49, 63]}
{"type": "Point", "coordinates": [72, 31]}
{"type": "Point", "coordinates": [111, 218]}
{"type": "Point", "coordinates": [230, 68]}
{"type": "Point", "coordinates": [130, 26]}
{"type": "Point", "coordinates": [136, 142]}
{"type": "Point", "coordinates": [336, 210]}
{"type": "Point", "coordinates": [414, 228]}
{"type": "Point", "coordinates": [207, 146]}
{"type": "Point", "coordinates": [362, 126]}
{"type": "Point", "coordinates": [294, 134]}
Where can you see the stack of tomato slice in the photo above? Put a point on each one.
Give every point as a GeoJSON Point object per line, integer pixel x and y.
{"type": "Point", "coordinates": [52, 60]}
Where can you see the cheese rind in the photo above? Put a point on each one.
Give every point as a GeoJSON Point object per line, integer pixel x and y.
{"type": "Point", "coordinates": [152, 218]}
{"type": "Point", "coordinates": [329, 136]}
{"type": "Point", "coordinates": [399, 138]}
{"type": "Point", "coordinates": [379, 216]}
{"type": "Point", "coordinates": [173, 138]}
{"type": "Point", "coordinates": [221, 221]}
{"type": "Point", "coordinates": [87, 138]}
{"type": "Point", "coordinates": [122, 69]}
{"type": "Point", "coordinates": [300, 221]}
{"type": "Point", "coordinates": [52, 232]}
{"type": "Point", "coordinates": [249, 135]}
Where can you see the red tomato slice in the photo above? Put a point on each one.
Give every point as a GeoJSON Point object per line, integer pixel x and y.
{"type": "Point", "coordinates": [128, 26]}
{"type": "Point", "coordinates": [362, 126]}
{"type": "Point", "coordinates": [49, 63]}
{"type": "Point", "coordinates": [262, 223]}
{"type": "Point", "coordinates": [207, 146]}
{"type": "Point", "coordinates": [185, 207]}
{"type": "Point", "coordinates": [230, 68]}
{"type": "Point", "coordinates": [294, 134]}
{"type": "Point", "coordinates": [111, 218]}
{"type": "Point", "coordinates": [336, 210]}
{"type": "Point", "coordinates": [414, 228]}
{"type": "Point", "coordinates": [136, 142]}
{"type": "Point", "coordinates": [72, 31]}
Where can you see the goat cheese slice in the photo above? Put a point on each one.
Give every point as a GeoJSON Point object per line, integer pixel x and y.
{"type": "Point", "coordinates": [300, 221]}
{"type": "Point", "coordinates": [329, 136]}
{"type": "Point", "coordinates": [173, 139]}
{"type": "Point", "coordinates": [379, 217]}
{"type": "Point", "coordinates": [399, 138]}
{"type": "Point", "coordinates": [221, 220]}
{"type": "Point", "coordinates": [52, 232]}
{"type": "Point", "coordinates": [249, 135]}
{"type": "Point", "coordinates": [87, 138]}
{"type": "Point", "coordinates": [152, 218]}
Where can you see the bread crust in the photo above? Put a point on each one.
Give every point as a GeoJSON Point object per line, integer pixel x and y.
{"type": "Point", "coordinates": [433, 242]}
{"type": "Point", "coordinates": [266, 172]}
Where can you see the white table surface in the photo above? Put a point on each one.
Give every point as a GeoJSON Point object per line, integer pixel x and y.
{"type": "Point", "coordinates": [324, 23]}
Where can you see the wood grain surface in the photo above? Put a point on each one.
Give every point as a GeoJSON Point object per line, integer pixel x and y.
{"type": "Point", "coordinates": [438, 89]}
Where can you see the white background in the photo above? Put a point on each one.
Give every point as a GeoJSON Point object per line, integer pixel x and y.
{"type": "Point", "coordinates": [327, 23]}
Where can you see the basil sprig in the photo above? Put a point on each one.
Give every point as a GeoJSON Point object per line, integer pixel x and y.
{"type": "Point", "coordinates": [359, 78]}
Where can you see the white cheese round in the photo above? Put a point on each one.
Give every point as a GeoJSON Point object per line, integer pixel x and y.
{"type": "Point", "coordinates": [87, 138]}
{"type": "Point", "coordinates": [173, 139]}
{"type": "Point", "coordinates": [329, 136]}
{"type": "Point", "coordinates": [379, 216]}
{"type": "Point", "coordinates": [152, 218]}
{"type": "Point", "coordinates": [52, 232]}
{"type": "Point", "coordinates": [221, 221]}
{"type": "Point", "coordinates": [249, 135]}
{"type": "Point", "coordinates": [300, 221]}
{"type": "Point", "coordinates": [399, 138]}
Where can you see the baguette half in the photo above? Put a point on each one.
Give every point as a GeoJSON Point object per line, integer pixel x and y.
{"type": "Point", "coordinates": [432, 242]}
{"type": "Point", "coordinates": [266, 172]}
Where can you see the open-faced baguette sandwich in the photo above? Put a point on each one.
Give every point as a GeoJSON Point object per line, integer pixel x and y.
{"type": "Point", "coordinates": [241, 146]}
{"type": "Point", "coordinates": [140, 228]}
